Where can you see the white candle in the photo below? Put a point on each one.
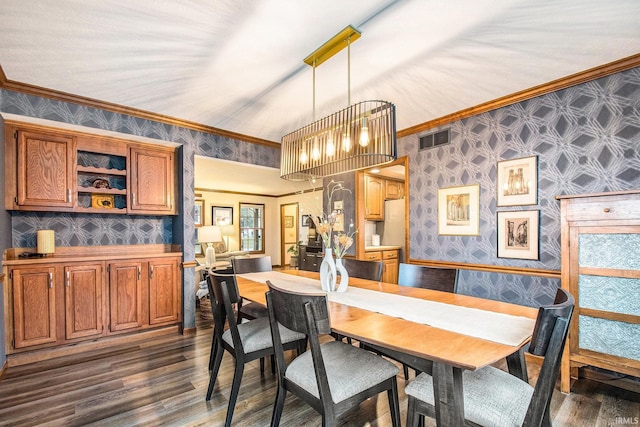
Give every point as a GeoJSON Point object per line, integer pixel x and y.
{"type": "Point", "coordinates": [46, 241]}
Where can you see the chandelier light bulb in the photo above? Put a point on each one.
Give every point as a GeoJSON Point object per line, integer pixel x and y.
{"type": "Point", "coordinates": [364, 133]}
{"type": "Point", "coordinates": [304, 158]}
{"type": "Point", "coordinates": [331, 147]}
{"type": "Point", "coordinates": [346, 142]}
{"type": "Point", "coordinates": [315, 152]}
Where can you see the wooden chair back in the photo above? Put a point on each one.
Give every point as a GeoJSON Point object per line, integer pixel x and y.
{"type": "Point", "coordinates": [422, 276]}
{"type": "Point", "coordinates": [370, 270]}
{"type": "Point", "coordinates": [304, 313]}
{"type": "Point", "coordinates": [251, 264]}
{"type": "Point", "coordinates": [226, 293]}
{"type": "Point", "coordinates": [548, 340]}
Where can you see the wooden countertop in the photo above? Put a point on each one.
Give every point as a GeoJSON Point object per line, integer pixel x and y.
{"type": "Point", "coordinates": [381, 248]}
{"type": "Point", "coordinates": [91, 253]}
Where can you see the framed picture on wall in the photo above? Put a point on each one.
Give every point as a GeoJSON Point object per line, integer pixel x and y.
{"type": "Point", "coordinates": [306, 220]}
{"type": "Point", "coordinates": [222, 215]}
{"type": "Point", "coordinates": [288, 221]}
{"type": "Point", "coordinates": [517, 182]}
{"type": "Point", "coordinates": [518, 234]}
{"type": "Point", "coordinates": [198, 213]}
{"type": "Point", "coordinates": [459, 211]}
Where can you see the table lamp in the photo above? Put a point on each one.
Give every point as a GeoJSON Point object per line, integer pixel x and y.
{"type": "Point", "coordinates": [209, 234]}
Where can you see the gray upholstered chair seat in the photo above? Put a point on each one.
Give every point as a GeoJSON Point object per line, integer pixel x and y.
{"type": "Point", "coordinates": [252, 310]}
{"type": "Point", "coordinates": [256, 335]}
{"type": "Point", "coordinates": [492, 397]}
{"type": "Point", "coordinates": [349, 370]}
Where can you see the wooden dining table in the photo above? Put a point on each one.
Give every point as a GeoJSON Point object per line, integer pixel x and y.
{"type": "Point", "coordinates": [444, 353]}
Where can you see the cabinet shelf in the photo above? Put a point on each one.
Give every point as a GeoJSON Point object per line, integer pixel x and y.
{"type": "Point", "coordinates": [101, 171]}
{"type": "Point", "coordinates": [102, 190]}
{"type": "Point", "coordinates": [102, 211]}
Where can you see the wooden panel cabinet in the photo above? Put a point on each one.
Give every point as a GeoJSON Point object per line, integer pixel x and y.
{"type": "Point", "coordinates": [373, 198]}
{"type": "Point", "coordinates": [391, 266]}
{"type": "Point", "coordinates": [151, 180]}
{"type": "Point", "coordinates": [164, 291]}
{"type": "Point", "coordinates": [45, 169]}
{"type": "Point", "coordinates": [83, 292]}
{"type": "Point", "coordinates": [601, 269]}
{"type": "Point", "coordinates": [393, 189]}
{"type": "Point", "coordinates": [125, 295]}
{"type": "Point", "coordinates": [49, 169]}
{"type": "Point", "coordinates": [34, 305]}
{"type": "Point", "coordinates": [390, 260]}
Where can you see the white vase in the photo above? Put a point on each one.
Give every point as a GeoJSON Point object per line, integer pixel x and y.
{"type": "Point", "coordinates": [328, 273]}
{"type": "Point", "coordinates": [344, 276]}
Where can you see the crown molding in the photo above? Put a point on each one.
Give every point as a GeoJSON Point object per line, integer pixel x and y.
{"type": "Point", "coordinates": [562, 83]}
{"type": "Point", "coordinates": [30, 89]}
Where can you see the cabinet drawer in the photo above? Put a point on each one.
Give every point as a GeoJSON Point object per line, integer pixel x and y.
{"type": "Point", "coordinates": [373, 256]}
{"type": "Point", "coordinates": [389, 254]}
{"type": "Point", "coordinates": [599, 210]}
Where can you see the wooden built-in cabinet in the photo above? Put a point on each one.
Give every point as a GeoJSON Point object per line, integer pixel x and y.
{"type": "Point", "coordinates": [390, 260]}
{"type": "Point", "coordinates": [393, 189]}
{"type": "Point", "coordinates": [34, 314]}
{"type": "Point", "coordinates": [49, 169]}
{"type": "Point", "coordinates": [83, 296]}
{"type": "Point", "coordinates": [152, 180]}
{"type": "Point", "coordinates": [374, 191]}
{"type": "Point", "coordinates": [83, 287]}
{"type": "Point", "coordinates": [164, 291]}
{"type": "Point", "coordinates": [601, 269]}
{"type": "Point", "coordinates": [125, 295]}
{"type": "Point", "coordinates": [45, 164]}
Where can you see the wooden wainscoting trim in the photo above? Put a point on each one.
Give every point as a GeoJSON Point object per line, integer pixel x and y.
{"type": "Point", "coordinates": [562, 83]}
{"type": "Point", "coordinates": [551, 274]}
{"type": "Point", "coordinates": [30, 89]}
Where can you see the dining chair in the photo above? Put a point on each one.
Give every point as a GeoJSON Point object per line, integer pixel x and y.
{"type": "Point", "coordinates": [422, 276]}
{"type": "Point", "coordinates": [426, 277]}
{"type": "Point", "coordinates": [245, 341]}
{"type": "Point", "coordinates": [370, 270]}
{"type": "Point", "coordinates": [332, 377]}
{"type": "Point", "coordinates": [243, 265]}
{"type": "Point", "coordinates": [493, 397]}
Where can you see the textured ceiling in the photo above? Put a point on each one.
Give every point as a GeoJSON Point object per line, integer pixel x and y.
{"type": "Point", "coordinates": [237, 64]}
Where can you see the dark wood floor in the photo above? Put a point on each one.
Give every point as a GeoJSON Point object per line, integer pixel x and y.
{"type": "Point", "coordinates": [163, 381]}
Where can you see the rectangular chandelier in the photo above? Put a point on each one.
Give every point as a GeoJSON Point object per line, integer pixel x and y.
{"type": "Point", "coordinates": [360, 136]}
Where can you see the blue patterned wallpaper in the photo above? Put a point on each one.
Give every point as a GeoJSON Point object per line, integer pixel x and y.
{"type": "Point", "coordinates": [587, 139]}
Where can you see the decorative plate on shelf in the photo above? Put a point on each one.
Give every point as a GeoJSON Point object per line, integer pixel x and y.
{"type": "Point", "coordinates": [101, 183]}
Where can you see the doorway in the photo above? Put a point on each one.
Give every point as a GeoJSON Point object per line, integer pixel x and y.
{"type": "Point", "coordinates": [289, 231]}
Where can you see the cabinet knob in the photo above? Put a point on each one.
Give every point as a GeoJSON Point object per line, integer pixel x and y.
{"type": "Point", "coordinates": [607, 210]}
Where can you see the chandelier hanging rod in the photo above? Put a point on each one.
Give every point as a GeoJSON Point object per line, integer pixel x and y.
{"type": "Point", "coordinates": [332, 46]}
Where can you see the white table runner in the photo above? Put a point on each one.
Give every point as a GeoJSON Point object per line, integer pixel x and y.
{"type": "Point", "coordinates": [497, 327]}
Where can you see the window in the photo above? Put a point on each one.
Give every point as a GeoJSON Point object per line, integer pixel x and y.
{"type": "Point", "coordinates": [251, 227]}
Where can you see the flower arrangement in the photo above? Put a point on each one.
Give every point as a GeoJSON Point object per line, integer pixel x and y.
{"type": "Point", "coordinates": [342, 242]}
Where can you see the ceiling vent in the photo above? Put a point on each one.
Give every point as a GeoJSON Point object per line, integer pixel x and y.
{"type": "Point", "coordinates": [435, 139]}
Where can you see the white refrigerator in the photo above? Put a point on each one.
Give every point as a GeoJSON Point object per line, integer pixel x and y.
{"type": "Point", "coordinates": [393, 227]}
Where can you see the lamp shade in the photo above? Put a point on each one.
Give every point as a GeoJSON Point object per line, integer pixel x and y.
{"type": "Point", "coordinates": [46, 241]}
{"type": "Point", "coordinates": [209, 234]}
